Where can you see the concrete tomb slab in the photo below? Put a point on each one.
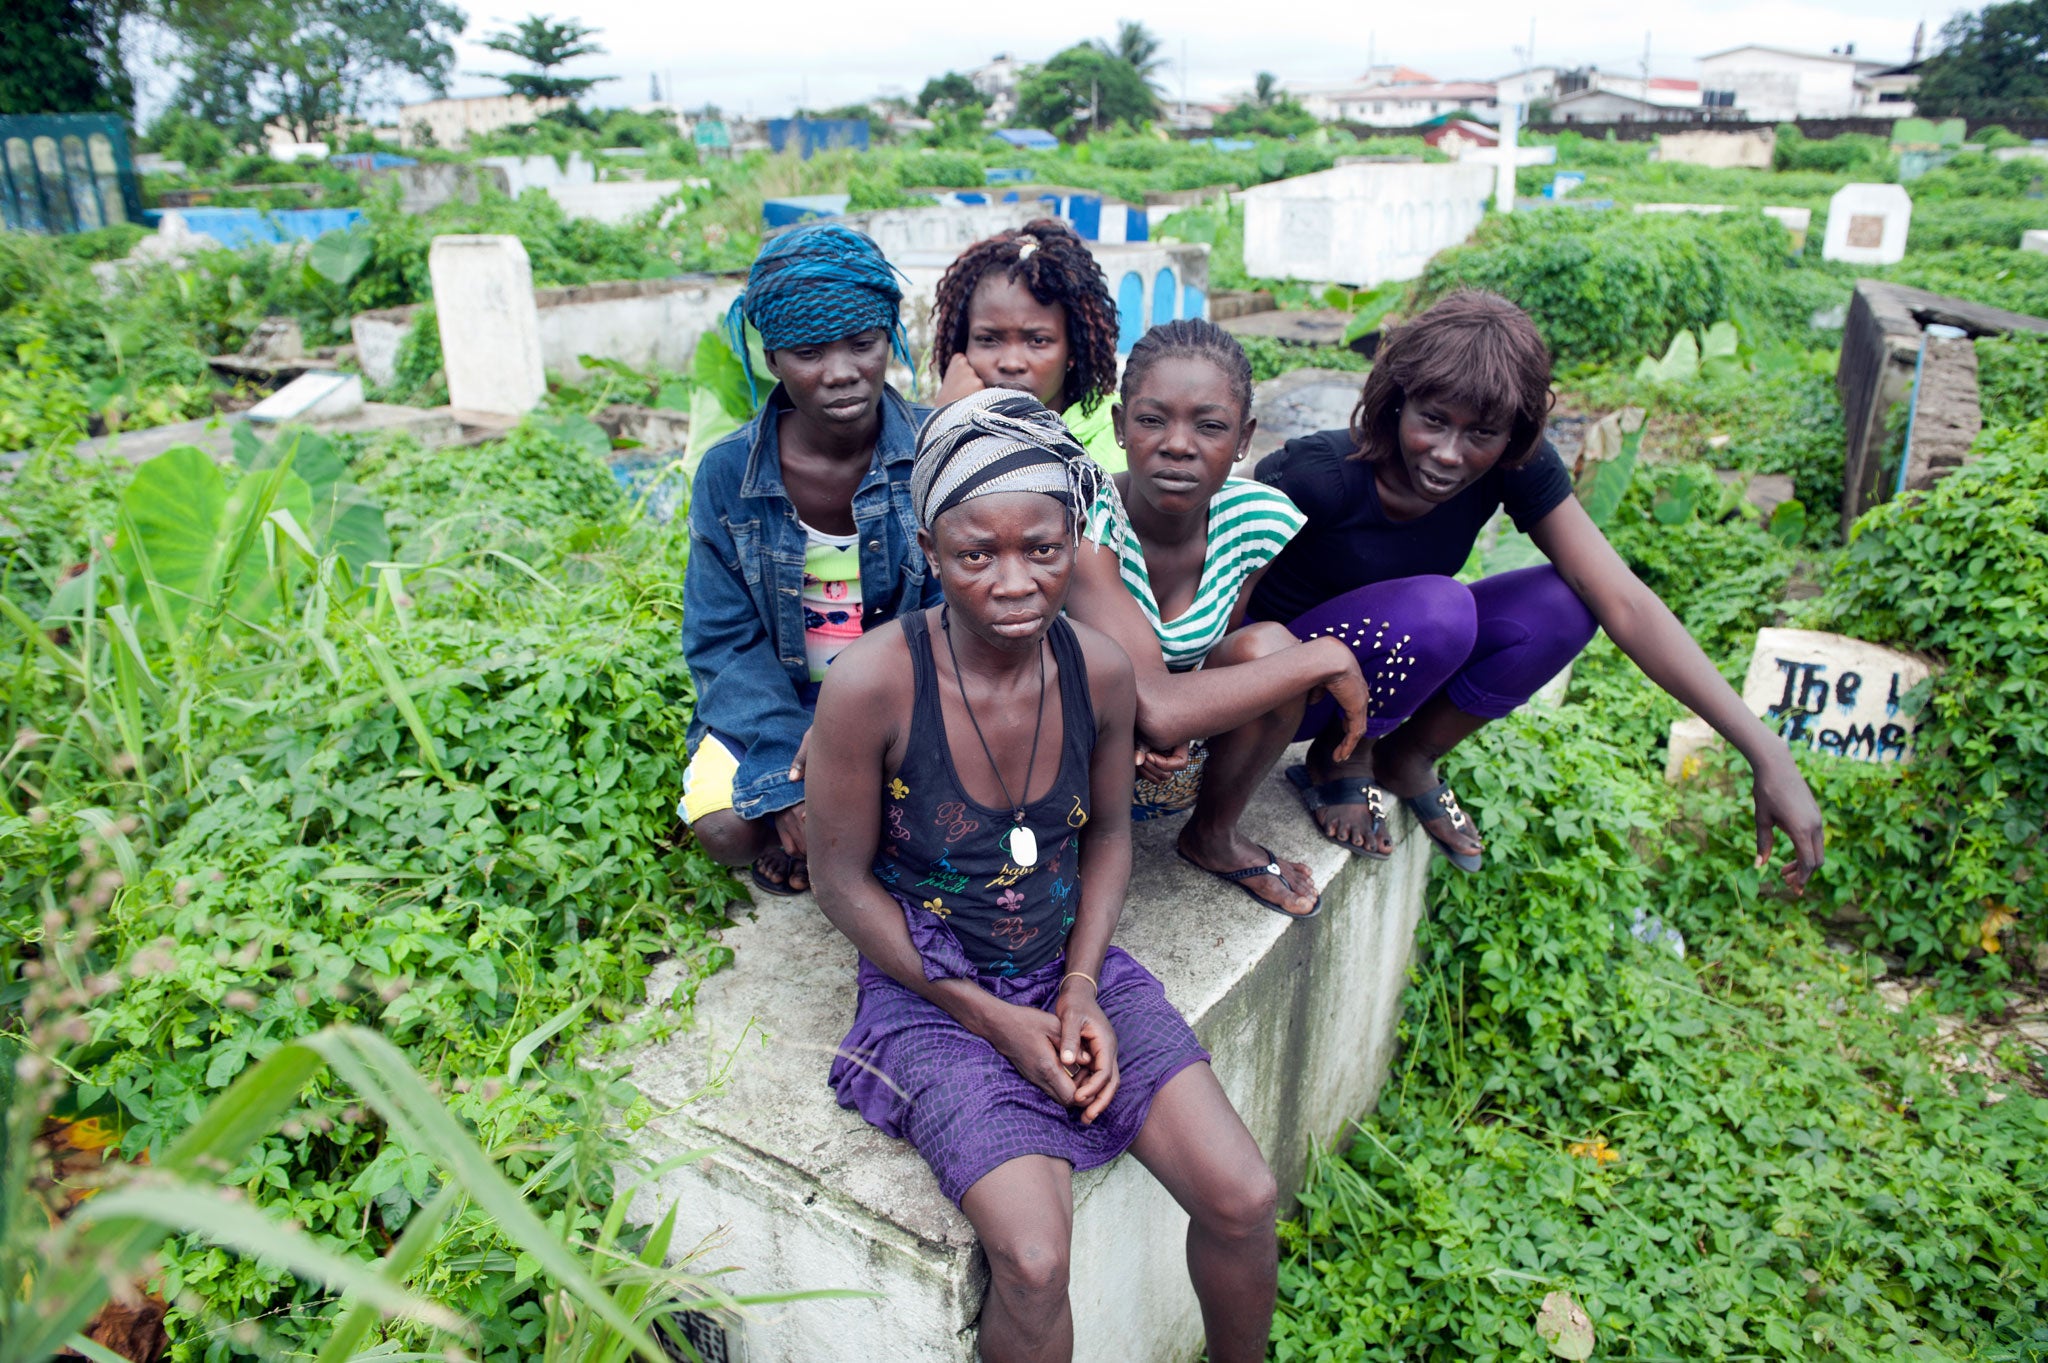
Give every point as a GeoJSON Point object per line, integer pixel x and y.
{"type": "Point", "coordinates": [1300, 402]}
{"type": "Point", "coordinates": [1300, 1018]}
{"type": "Point", "coordinates": [490, 329]}
{"type": "Point", "coordinates": [318, 396]}
{"type": "Point", "coordinates": [1833, 693]}
{"type": "Point", "coordinates": [1867, 225]}
{"type": "Point", "coordinates": [2035, 239]}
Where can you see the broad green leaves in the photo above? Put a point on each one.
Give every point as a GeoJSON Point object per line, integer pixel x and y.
{"type": "Point", "coordinates": [190, 542]}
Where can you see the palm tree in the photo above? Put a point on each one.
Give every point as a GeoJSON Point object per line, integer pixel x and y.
{"type": "Point", "coordinates": [1137, 47]}
{"type": "Point", "coordinates": [1265, 90]}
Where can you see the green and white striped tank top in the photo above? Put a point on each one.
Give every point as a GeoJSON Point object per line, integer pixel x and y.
{"type": "Point", "coordinates": [1249, 523]}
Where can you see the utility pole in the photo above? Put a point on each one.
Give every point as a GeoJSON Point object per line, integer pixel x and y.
{"type": "Point", "coordinates": [1184, 78]}
{"type": "Point", "coordinates": [1646, 66]}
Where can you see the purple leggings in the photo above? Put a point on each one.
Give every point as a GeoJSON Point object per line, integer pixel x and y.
{"type": "Point", "coordinates": [1488, 647]}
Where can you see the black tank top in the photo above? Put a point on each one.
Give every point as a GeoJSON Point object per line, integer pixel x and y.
{"type": "Point", "coordinates": [946, 855]}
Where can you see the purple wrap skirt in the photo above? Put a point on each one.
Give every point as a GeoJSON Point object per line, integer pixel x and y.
{"type": "Point", "coordinates": [916, 1074]}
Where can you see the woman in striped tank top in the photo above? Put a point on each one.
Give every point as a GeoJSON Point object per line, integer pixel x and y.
{"type": "Point", "coordinates": [1218, 700]}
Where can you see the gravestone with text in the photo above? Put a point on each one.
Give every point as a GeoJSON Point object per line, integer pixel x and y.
{"type": "Point", "coordinates": [1834, 694]}
{"type": "Point", "coordinates": [490, 326]}
{"type": "Point", "coordinates": [1867, 225]}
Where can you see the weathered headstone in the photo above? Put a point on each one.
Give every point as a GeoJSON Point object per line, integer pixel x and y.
{"type": "Point", "coordinates": [1689, 737]}
{"type": "Point", "coordinates": [490, 328]}
{"type": "Point", "coordinates": [1867, 225]}
{"type": "Point", "coordinates": [1833, 693]}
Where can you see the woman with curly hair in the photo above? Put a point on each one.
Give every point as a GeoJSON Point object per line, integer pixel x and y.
{"type": "Point", "coordinates": [1449, 429]}
{"type": "Point", "coordinates": [1029, 310]}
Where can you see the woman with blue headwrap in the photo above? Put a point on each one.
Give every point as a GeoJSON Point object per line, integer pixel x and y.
{"type": "Point", "coordinates": [801, 537]}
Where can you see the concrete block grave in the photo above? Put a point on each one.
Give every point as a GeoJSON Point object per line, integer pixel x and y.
{"type": "Point", "coordinates": [2035, 239]}
{"type": "Point", "coordinates": [1362, 224]}
{"type": "Point", "coordinates": [1883, 339]}
{"type": "Point", "coordinates": [799, 1193]}
{"type": "Point", "coordinates": [1867, 225]}
{"type": "Point", "coordinates": [1833, 693]}
{"type": "Point", "coordinates": [490, 330]}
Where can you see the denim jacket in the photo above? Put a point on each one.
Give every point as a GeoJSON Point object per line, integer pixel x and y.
{"type": "Point", "coordinates": [743, 617]}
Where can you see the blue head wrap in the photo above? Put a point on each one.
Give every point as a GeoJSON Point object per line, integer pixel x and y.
{"type": "Point", "coordinates": [813, 285]}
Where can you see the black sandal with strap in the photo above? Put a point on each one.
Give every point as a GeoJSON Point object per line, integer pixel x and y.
{"type": "Point", "coordinates": [1239, 877]}
{"type": "Point", "coordinates": [1338, 793]}
{"type": "Point", "coordinates": [1439, 803]}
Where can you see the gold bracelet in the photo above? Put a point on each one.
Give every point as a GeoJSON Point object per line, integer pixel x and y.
{"type": "Point", "coordinates": [1077, 975]}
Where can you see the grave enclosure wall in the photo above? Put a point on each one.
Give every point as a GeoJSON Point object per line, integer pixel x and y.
{"type": "Point", "coordinates": [1362, 224]}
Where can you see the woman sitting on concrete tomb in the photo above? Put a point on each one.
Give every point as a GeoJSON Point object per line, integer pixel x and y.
{"type": "Point", "coordinates": [970, 833]}
{"type": "Point", "coordinates": [1448, 429]}
{"type": "Point", "coordinates": [800, 538]}
{"type": "Point", "coordinates": [1217, 699]}
{"type": "Point", "coordinates": [1029, 310]}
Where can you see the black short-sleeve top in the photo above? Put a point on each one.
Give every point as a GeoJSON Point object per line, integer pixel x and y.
{"type": "Point", "coordinates": [1349, 541]}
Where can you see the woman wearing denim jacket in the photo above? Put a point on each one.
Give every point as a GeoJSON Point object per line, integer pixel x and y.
{"type": "Point", "coordinates": [801, 537]}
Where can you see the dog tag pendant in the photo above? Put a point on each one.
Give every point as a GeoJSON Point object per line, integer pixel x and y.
{"type": "Point", "coordinates": [1023, 846]}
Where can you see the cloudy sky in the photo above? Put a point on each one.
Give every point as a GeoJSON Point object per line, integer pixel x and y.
{"type": "Point", "coordinates": [765, 58]}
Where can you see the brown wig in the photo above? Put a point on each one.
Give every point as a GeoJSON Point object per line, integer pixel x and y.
{"type": "Point", "coordinates": [1192, 338]}
{"type": "Point", "coordinates": [1471, 348]}
{"type": "Point", "coordinates": [1058, 268]}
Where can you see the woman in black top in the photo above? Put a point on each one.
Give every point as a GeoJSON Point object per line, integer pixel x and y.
{"type": "Point", "coordinates": [1448, 429]}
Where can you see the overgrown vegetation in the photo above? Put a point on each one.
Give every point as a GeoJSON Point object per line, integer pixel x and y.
{"type": "Point", "coordinates": [428, 788]}
{"type": "Point", "coordinates": [417, 774]}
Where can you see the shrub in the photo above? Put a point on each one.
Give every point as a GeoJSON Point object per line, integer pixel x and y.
{"type": "Point", "coordinates": [1960, 571]}
{"type": "Point", "coordinates": [1609, 287]}
{"type": "Point", "coordinates": [1852, 153]}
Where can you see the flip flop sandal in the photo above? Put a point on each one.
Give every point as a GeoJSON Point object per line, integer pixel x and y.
{"type": "Point", "coordinates": [779, 888]}
{"type": "Point", "coordinates": [1441, 804]}
{"type": "Point", "coordinates": [1238, 879]}
{"type": "Point", "coordinates": [1340, 792]}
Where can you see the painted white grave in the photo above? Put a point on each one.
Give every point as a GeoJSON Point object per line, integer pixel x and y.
{"type": "Point", "coordinates": [1867, 225]}
{"type": "Point", "coordinates": [1362, 225]}
{"type": "Point", "coordinates": [2035, 239]}
{"type": "Point", "coordinates": [490, 328]}
{"type": "Point", "coordinates": [1833, 693]}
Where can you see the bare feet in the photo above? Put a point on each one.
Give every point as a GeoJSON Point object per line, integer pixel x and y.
{"type": "Point", "coordinates": [1293, 892]}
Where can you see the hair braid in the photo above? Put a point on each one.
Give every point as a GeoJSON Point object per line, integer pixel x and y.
{"type": "Point", "coordinates": [1057, 269]}
{"type": "Point", "coordinates": [1193, 338]}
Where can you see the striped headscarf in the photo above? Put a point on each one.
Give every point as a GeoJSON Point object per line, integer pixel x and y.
{"type": "Point", "coordinates": [813, 285]}
{"type": "Point", "coordinates": [998, 440]}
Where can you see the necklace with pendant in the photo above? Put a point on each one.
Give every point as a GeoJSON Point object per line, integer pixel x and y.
{"type": "Point", "coordinates": [1021, 841]}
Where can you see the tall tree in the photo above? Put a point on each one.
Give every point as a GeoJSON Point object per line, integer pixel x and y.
{"type": "Point", "coordinates": [1993, 64]}
{"type": "Point", "coordinates": [547, 44]}
{"type": "Point", "coordinates": [947, 94]}
{"type": "Point", "coordinates": [307, 64]}
{"type": "Point", "coordinates": [62, 57]}
{"type": "Point", "coordinates": [1265, 89]}
{"type": "Point", "coordinates": [1137, 47]}
{"type": "Point", "coordinates": [1081, 90]}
